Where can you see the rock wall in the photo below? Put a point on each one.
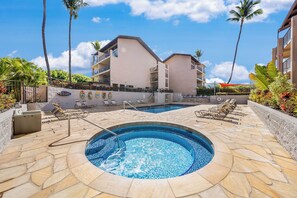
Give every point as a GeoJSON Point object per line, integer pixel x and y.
{"type": "Point", "coordinates": [283, 126]}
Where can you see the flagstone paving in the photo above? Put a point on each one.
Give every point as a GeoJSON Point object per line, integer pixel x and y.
{"type": "Point", "coordinates": [248, 161]}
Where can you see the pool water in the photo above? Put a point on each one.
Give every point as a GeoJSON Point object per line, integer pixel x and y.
{"type": "Point", "coordinates": [149, 151]}
{"type": "Point", "coordinates": [162, 108]}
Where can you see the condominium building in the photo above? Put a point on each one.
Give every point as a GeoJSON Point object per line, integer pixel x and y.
{"type": "Point", "coordinates": [285, 54]}
{"type": "Point", "coordinates": [128, 62]}
{"type": "Point", "coordinates": [186, 73]}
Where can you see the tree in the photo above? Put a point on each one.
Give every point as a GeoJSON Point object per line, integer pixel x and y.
{"type": "Point", "coordinates": [96, 46]}
{"type": "Point", "coordinates": [20, 69]}
{"type": "Point", "coordinates": [59, 74]}
{"type": "Point", "coordinates": [81, 78]}
{"type": "Point", "coordinates": [244, 12]}
{"type": "Point", "coordinates": [198, 54]}
{"type": "Point", "coordinates": [73, 7]}
{"type": "Point", "coordinates": [43, 41]}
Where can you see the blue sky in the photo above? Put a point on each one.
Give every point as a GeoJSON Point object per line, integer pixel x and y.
{"type": "Point", "coordinates": [166, 26]}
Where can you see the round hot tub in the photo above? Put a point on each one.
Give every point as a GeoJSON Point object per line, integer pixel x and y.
{"type": "Point", "coordinates": [150, 151]}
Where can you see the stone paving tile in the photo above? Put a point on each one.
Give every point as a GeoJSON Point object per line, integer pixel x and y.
{"type": "Point", "coordinates": [55, 178]}
{"type": "Point", "coordinates": [14, 182]}
{"type": "Point", "coordinates": [150, 188]}
{"type": "Point", "coordinates": [24, 190]}
{"type": "Point", "coordinates": [40, 176]}
{"type": "Point", "coordinates": [248, 162]}
{"type": "Point", "coordinates": [11, 173]}
{"type": "Point", "coordinates": [237, 183]}
{"type": "Point", "coordinates": [215, 191]}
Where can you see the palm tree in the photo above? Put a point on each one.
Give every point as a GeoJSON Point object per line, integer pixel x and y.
{"type": "Point", "coordinates": [244, 12]}
{"type": "Point", "coordinates": [198, 54]}
{"type": "Point", "coordinates": [73, 7]}
{"type": "Point", "coordinates": [96, 46]}
{"type": "Point", "coordinates": [43, 41]}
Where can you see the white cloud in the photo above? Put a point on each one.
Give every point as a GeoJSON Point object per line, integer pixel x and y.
{"type": "Point", "coordinates": [206, 63]}
{"type": "Point", "coordinates": [216, 80]}
{"type": "Point", "coordinates": [81, 57]}
{"type": "Point", "coordinates": [268, 6]}
{"type": "Point", "coordinates": [11, 54]}
{"type": "Point", "coordinates": [99, 20]}
{"type": "Point", "coordinates": [223, 70]}
{"type": "Point", "coordinates": [96, 19]}
{"type": "Point", "coordinates": [199, 11]}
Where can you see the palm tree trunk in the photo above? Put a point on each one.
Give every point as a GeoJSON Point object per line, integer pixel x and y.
{"type": "Point", "coordinates": [69, 44]}
{"type": "Point", "coordinates": [236, 49]}
{"type": "Point", "coordinates": [44, 43]}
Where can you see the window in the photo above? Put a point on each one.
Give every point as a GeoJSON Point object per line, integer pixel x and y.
{"type": "Point", "coordinates": [166, 83]}
{"type": "Point", "coordinates": [192, 66]}
{"type": "Point", "coordinates": [166, 73]}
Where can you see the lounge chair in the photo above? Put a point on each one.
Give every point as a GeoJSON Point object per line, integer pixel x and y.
{"type": "Point", "coordinates": [138, 101]}
{"type": "Point", "coordinates": [218, 112]}
{"type": "Point", "coordinates": [63, 114]}
{"type": "Point", "coordinates": [85, 104]}
{"type": "Point", "coordinates": [106, 102]}
{"type": "Point", "coordinates": [113, 102]}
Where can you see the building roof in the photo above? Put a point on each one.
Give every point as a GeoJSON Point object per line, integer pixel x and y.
{"type": "Point", "coordinates": [180, 54]}
{"type": "Point", "coordinates": [287, 21]}
{"type": "Point", "coordinates": [114, 41]}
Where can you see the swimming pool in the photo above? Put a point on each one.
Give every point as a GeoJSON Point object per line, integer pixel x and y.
{"type": "Point", "coordinates": [162, 108]}
{"type": "Point", "coordinates": [150, 151]}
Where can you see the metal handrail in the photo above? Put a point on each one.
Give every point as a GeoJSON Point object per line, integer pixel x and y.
{"type": "Point", "coordinates": [126, 102]}
{"type": "Point", "coordinates": [105, 129]}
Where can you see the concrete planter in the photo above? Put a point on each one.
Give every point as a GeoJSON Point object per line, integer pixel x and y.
{"type": "Point", "coordinates": [283, 126]}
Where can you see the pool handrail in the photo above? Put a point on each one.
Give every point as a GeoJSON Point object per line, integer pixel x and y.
{"type": "Point", "coordinates": [126, 102]}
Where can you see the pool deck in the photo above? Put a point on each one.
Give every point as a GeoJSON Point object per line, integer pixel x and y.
{"type": "Point", "coordinates": [248, 161]}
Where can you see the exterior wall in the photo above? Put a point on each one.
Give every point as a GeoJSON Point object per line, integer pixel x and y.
{"type": "Point", "coordinates": [68, 102]}
{"type": "Point", "coordinates": [284, 127]}
{"type": "Point", "coordinates": [161, 76]}
{"type": "Point", "coordinates": [183, 79]}
{"type": "Point", "coordinates": [294, 50]}
{"type": "Point", "coordinates": [132, 66]}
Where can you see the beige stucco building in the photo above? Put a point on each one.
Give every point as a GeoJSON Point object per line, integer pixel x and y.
{"type": "Point", "coordinates": [186, 73]}
{"type": "Point", "coordinates": [285, 54]}
{"type": "Point", "coordinates": [128, 62]}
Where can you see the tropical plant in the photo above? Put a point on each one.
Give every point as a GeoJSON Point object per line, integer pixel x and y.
{"type": "Point", "coordinates": [43, 40]}
{"type": "Point", "coordinates": [80, 78]}
{"type": "Point", "coordinates": [21, 70]}
{"type": "Point", "coordinates": [264, 75]}
{"type": "Point", "coordinates": [198, 54]}
{"type": "Point", "coordinates": [59, 74]}
{"type": "Point", "coordinates": [96, 46]}
{"type": "Point", "coordinates": [73, 7]}
{"type": "Point", "coordinates": [244, 12]}
{"type": "Point", "coordinates": [281, 89]}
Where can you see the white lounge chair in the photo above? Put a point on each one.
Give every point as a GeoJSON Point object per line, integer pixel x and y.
{"type": "Point", "coordinates": [113, 102]}
{"type": "Point", "coordinates": [106, 102]}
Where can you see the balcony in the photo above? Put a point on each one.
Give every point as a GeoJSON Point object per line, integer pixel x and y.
{"type": "Point", "coordinates": [287, 66]}
{"type": "Point", "coordinates": [104, 56]}
{"type": "Point", "coordinates": [287, 38]}
{"type": "Point", "coordinates": [105, 81]}
{"type": "Point", "coordinates": [103, 69]}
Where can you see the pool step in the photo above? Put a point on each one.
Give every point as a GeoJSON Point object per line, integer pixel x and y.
{"type": "Point", "coordinates": [95, 147]}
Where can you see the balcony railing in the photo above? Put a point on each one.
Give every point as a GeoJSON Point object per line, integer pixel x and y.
{"type": "Point", "coordinates": [287, 66]}
{"type": "Point", "coordinates": [201, 69]}
{"type": "Point", "coordinates": [105, 81]}
{"type": "Point", "coordinates": [103, 69]}
{"type": "Point", "coordinates": [287, 37]}
{"type": "Point", "coordinates": [104, 56]}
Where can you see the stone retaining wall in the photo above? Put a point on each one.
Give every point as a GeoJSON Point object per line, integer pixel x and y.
{"type": "Point", "coordinates": [6, 130]}
{"type": "Point", "coordinates": [283, 126]}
